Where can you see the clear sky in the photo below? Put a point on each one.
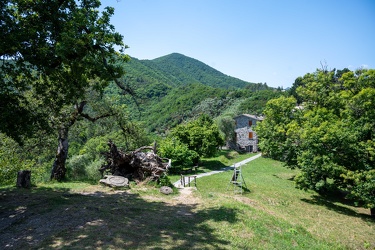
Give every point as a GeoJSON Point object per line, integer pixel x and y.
{"type": "Point", "coordinates": [272, 41]}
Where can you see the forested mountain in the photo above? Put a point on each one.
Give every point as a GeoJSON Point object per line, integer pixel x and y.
{"type": "Point", "coordinates": [176, 69]}
{"type": "Point", "coordinates": [174, 88]}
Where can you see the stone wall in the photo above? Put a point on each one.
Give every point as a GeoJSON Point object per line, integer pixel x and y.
{"type": "Point", "coordinates": [243, 128]}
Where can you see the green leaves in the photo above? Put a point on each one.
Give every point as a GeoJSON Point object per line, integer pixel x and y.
{"type": "Point", "coordinates": [201, 135]}
{"type": "Point", "coordinates": [50, 51]}
{"type": "Point", "coordinates": [331, 136]}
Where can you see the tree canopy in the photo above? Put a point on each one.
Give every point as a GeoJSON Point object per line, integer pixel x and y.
{"type": "Point", "coordinates": [201, 135]}
{"type": "Point", "coordinates": [49, 52]}
{"type": "Point", "coordinates": [331, 136]}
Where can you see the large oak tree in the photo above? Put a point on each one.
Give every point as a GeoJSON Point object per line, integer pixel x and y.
{"type": "Point", "coordinates": [51, 51]}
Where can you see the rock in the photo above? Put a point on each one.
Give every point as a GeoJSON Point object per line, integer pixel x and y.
{"type": "Point", "coordinates": [166, 190]}
{"type": "Point", "coordinates": [115, 181]}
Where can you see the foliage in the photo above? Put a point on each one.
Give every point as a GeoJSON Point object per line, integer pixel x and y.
{"type": "Point", "coordinates": [178, 152]}
{"type": "Point", "coordinates": [331, 138]}
{"type": "Point", "coordinates": [226, 125]}
{"type": "Point", "coordinates": [276, 138]}
{"type": "Point", "coordinates": [165, 181]}
{"type": "Point", "coordinates": [201, 135]}
{"type": "Point", "coordinates": [50, 51]}
{"type": "Point", "coordinates": [13, 159]}
{"type": "Point", "coordinates": [188, 70]}
{"type": "Point", "coordinates": [256, 103]}
{"type": "Point", "coordinates": [175, 88]}
{"type": "Point", "coordinates": [83, 168]}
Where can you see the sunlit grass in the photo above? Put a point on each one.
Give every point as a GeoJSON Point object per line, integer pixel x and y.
{"type": "Point", "coordinates": [273, 214]}
{"type": "Point", "coordinates": [223, 158]}
{"type": "Point", "coordinates": [297, 217]}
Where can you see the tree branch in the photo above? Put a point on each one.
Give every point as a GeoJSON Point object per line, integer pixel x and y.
{"type": "Point", "coordinates": [94, 119]}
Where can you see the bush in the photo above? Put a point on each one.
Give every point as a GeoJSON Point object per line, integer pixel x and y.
{"type": "Point", "coordinates": [13, 159]}
{"type": "Point", "coordinates": [179, 153]}
{"type": "Point", "coordinates": [165, 181]}
{"type": "Point", "coordinates": [83, 168]}
{"type": "Point", "coordinates": [76, 167]}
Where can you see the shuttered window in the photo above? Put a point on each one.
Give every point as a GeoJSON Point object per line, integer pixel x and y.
{"type": "Point", "coordinates": [250, 135]}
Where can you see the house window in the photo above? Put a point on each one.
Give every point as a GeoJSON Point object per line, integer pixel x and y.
{"type": "Point", "coordinates": [250, 135]}
{"type": "Point", "coordinates": [250, 123]}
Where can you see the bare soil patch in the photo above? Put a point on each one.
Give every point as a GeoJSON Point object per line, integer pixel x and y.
{"type": "Point", "coordinates": [43, 218]}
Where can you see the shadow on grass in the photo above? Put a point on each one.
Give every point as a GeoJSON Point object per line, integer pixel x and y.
{"type": "Point", "coordinates": [210, 165]}
{"type": "Point", "coordinates": [336, 203]}
{"type": "Point", "coordinates": [56, 218]}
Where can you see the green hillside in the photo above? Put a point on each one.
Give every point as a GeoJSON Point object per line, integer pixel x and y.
{"type": "Point", "coordinates": [174, 88]}
{"type": "Point", "coordinates": [187, 70]}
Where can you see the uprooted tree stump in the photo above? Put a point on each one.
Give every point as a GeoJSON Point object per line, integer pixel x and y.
{"type": "Point", "coordinates": [135, 165]}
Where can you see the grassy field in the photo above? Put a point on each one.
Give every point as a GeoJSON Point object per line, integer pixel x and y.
{"type": "Point", "coordinates": [272, 214]}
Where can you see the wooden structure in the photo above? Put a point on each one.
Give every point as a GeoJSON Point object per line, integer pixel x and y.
{"type": "Point", "coordinates": [237, 182]}
{"type": "Point", "coordinates": [186, 180]}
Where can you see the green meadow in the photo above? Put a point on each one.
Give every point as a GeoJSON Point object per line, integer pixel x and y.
{"type": "Point", "coordinates": [270, 214]}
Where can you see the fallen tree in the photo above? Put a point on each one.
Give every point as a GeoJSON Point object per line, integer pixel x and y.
{"type": "Point", "coordinates": [135, 165]}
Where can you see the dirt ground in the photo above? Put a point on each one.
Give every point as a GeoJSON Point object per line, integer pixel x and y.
{"type": "Point", "coordinates": [31, 219]}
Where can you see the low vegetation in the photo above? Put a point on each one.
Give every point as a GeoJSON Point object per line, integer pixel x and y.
{"type": "Point", "coordinates": [272, 214]}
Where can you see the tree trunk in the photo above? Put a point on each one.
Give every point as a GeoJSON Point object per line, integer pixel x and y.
{"type": "Point", "coordinates": [58, 167]}
{"type": "Point", "coordinates": [372, 212]}
{"type": "Point", "coordinates": [24, 179]}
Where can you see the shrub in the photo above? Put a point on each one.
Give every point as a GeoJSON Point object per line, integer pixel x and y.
{"type": "Point", "coordinates": [178, 152]}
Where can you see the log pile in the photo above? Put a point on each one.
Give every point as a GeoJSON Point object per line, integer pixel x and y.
{"type": "Point", "coordinates": [135, 165]}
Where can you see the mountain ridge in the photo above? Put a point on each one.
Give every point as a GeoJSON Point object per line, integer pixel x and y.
{"type": "Point", "coordinates": [175, 88]}
{"type": "Point", "coordinates": [185, 70]}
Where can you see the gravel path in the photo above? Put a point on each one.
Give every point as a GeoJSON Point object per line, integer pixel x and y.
{"type": "Point", "coordinates": [178, 183]}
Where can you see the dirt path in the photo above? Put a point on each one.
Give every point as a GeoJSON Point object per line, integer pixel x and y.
{"type": "Point", "coordinates": [178, 183]}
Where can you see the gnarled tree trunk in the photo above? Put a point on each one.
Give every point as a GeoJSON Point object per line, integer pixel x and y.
{"type": "Point", "coordinates": [58, 168]}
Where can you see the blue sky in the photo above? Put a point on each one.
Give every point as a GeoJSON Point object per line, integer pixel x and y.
{"type": "Point", "coordinates": [253, 40]}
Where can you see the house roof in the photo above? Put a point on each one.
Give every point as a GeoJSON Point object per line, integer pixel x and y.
{"type": "Point", "coordinates": [255, 117]}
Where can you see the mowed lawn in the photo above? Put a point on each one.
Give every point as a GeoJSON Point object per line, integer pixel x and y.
{"type": "Point", "coordinates": [272, 214]}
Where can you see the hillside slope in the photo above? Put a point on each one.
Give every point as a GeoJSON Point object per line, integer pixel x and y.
{"type": "Point", "coordinates": [175, 88]}
{"type": "Point", "coordinates": [189, 70]}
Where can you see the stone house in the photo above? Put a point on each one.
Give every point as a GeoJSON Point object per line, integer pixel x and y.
{"type": "Point", "coordinates": [245, 136]}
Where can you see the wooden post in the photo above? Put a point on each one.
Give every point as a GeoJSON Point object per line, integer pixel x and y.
{"type": "Point", "coordinates": [182, 180]}
{"type": "Point", "coordinates": [24, 179]}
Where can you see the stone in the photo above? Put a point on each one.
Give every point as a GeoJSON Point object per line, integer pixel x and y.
{"type": "Point", "coordinates": [115, 181]}
{"type": "Point", "coordinates": [166, 190]}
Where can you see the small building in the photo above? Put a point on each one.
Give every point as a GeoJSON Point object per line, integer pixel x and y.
{"type": "Point", "coordinates": [245, 136]}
